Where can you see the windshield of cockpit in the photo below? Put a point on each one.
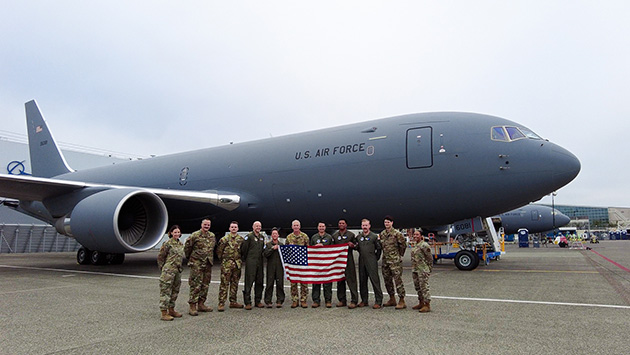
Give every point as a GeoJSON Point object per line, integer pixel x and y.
{"type": "Point", "coordinates": [512, 133]}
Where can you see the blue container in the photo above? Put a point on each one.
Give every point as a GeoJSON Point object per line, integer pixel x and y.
{"type": "Point", "coordinates": [523, 238]}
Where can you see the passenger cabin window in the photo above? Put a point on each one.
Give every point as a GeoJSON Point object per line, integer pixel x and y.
{"type": "Point", "coordinates": [511, 133]}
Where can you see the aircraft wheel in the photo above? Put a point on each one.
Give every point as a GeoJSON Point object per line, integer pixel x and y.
{"type": "Point", "coordinates": [117, 259]}
{"type": "Point", "coordinates": [83, 256]}
{"type": "Point", "coordinates": [97, 258]}
{"type": "Point", "coordinates": [466, 260]}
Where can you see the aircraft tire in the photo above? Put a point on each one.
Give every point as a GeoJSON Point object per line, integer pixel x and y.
{"type": "Point", "coordinates": [83, 256]}
{"type": "Point", "coordinates": [97, 258]}
{"type": "Point", "coordinates": [117, 259]}
{"type": "Point", "coordinates": [466, 260]}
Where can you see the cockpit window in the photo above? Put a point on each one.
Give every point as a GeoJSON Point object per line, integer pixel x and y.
{"type": "Point", "coordinates": [514, 133]}
{"type": "Point", "coordinates": [498, 134]}
{"type": "Point", "coordinates": [511, 133]}
{"type": "Point", "coordinates": [530, 134]}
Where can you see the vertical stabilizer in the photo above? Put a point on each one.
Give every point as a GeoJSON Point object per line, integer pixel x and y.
{"type": "Point", "coordinates": [46, 158]}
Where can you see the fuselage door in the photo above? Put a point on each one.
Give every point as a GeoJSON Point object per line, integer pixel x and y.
{"type": "Point", "coordinates": [419, 148]}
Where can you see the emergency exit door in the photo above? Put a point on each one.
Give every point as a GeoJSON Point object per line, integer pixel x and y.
{"type": "Point", "coordinates": [419, 148]}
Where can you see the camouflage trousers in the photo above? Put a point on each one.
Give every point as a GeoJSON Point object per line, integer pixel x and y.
{"type": "Point", "coordinates": [421, 283]}
{"type": "Point", "coordinates": [303, 292]}
{"type": "Point", "coordinates": [170, 281]}
{"type": "Point", "coordinates": [392, 274]}
{"type": "Point", "coordinates": [198, 281]}
{"type": "Point", "coordinates": [230, 275]}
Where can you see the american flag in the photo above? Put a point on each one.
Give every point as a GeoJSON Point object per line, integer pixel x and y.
{"type": "Point", "coordinates": [314, 264]}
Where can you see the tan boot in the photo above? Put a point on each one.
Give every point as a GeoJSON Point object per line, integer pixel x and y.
{"type": "Point", "coordinates": [248, 306]}
{"type": "Point", "coordinates": [418, 306]}
{"type": "Point", "coordinates": [173, 313]}
{"type": "Point", "coordinates": [165, 315]}
{"type": "Point", "coordinates": [391, 302]}
{"type": "Point", "coordinates": [315, 305]}
{"type": "Point", "coordinates": [426, 307]}
{"type": "Point", "coordinates": [193, 309]}
{"type": "Point", "coordinates": [294, 304]}
{"type": "Point", "coordinates": [221, 307]}
{"type": "Point", "coordinates": [236, 305]}
{"type": "Point", "coordinates": [203, 308]}
{"type": "Point", "coordinates": [401, 303]}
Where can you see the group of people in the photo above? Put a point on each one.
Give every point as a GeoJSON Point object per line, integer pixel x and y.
{"type": "Point", "coordinates": [233, 250]}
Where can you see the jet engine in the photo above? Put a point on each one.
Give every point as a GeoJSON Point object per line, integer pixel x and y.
{"type": "Point", "coordinates": [119, 220]}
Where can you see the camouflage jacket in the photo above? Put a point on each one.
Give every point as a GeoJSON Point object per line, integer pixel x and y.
{"type": "Point", "coordinates": [421, 258]}
{"type": "Point", "coordinates": [325, 239]}
{"type": "Point", "coordinates": [301, 239]}
{"type": "Point", "coordinates": [394, 246]}
{"type": "Point", "coordinates": [171, 255]}
{"type": "Point", "coordinates": [229, 249]}
{"type": "Point", "coordinates": [199, 248]}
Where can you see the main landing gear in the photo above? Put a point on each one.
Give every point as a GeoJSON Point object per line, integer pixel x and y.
{"type": "Point", "coordinates": [86, 256]}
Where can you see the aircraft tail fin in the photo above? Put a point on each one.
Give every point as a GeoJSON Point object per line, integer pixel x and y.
{"type": "Point", "coordinates": [46, 158]}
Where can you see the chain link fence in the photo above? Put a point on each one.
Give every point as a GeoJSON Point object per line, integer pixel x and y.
{"type": "Point", "coordinates": [21, 238]}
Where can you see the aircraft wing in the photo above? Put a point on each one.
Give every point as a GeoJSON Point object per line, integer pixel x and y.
{"type": "Point", "coordinates": [37, 189]}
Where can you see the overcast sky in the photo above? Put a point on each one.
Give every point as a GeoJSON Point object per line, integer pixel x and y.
{"type": "Point", "coordinates": [158, 77]}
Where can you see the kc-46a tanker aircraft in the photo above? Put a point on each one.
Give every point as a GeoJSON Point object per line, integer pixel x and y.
{"type": "Point", "coordinates": [423, 169]}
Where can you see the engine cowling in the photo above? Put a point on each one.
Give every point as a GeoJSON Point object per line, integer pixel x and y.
{"type": "Point", "coordinates": [120, 220]}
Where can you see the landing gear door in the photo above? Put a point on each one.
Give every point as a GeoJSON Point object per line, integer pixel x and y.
{"type": "Point", "coordinates": [419, 148]}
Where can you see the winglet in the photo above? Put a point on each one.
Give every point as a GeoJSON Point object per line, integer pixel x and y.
{"type": "Point", "coordinates": [46, 158]}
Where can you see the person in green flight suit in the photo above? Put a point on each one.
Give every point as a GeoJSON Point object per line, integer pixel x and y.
{"type": "Point", "coordinates": [275, 272]}
{"type": "Point", "coordinates": [321, 238]}
{"type": "Point", "coordinates": [251, 250]}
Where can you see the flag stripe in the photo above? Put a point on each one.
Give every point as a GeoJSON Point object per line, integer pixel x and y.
{"type": "Point", "coordinates": [314, 264]}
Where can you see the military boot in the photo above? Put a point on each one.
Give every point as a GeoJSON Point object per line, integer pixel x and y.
{"type": "Point", "coordinates": [294, 304]}
{"type": "Point", "coordinates": [418, 306]}
{"type": "Point", "coordinates": [391, 302]}
{"type": "Point", "coordinates": [426, 307]}
{"type": "Point", "coordinates": [165, 315]}
{"type": "Point", "coordinates": [236, 305]}
{"type": "Point", "coordinates": [221, 307]}
{"type": "Point", "coordinates": [193, 309]}
{"type": "Point", "coordinates": [401, 303]}
{"type": "Point", "coordinates": [173, 313]}
{"type": "Point", "coordinates": [203, 308]}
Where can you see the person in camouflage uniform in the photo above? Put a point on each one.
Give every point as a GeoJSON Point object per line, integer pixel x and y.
{"type": "Point", "coordinates": [199, 250]}
{"type": "Point", "coordinates": [298, 237]}
{"type": "Point", "coordinates": [370, 249]}
{"type": "Point", "coordinates": [394, 246]}
{"type": "Point", "coordinates": [343, 236]}
{"type": "Point", "coordinates": [169, 261]}
{"type": "Point", "coordinates": [229, 252]}
{"type": "Point", "coordinates": [275, 272]}
{"type": "Point", "coordinates": [252, 249]}
{"type": "Point", "coordinates": [421, 267]}
{"type": "Point", "coordinates": [321, 238]}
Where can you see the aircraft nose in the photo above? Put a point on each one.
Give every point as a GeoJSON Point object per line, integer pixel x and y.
{"type": "Point", "coordinates": [566, 166]}
{"type": "Point", "coordinates": [561, 219]}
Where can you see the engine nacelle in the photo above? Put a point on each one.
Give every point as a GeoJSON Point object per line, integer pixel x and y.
{"type": "Point", "coordinates": [123, 220]}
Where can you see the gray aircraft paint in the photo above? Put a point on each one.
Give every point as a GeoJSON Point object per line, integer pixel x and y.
{"type": "Point", "coordinates": [534, 218]}
{"type": "Point", "coordinates": [423, 169]}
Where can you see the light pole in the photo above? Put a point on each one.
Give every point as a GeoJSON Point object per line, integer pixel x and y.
{"type": "Point", "coordinates": [553, 212]}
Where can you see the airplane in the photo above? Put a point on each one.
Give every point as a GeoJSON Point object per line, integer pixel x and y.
{"type": "Point", "coordinates": [424, 169]}
{"type": "Point", "coordinates": [534, 218]}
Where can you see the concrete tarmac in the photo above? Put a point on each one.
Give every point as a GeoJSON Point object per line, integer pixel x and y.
{"type": "Point", "coordinates": [532, 301]}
